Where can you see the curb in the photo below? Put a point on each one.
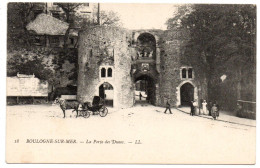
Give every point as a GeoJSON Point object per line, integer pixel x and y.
{"type": "Point", "coordinates": [216, 120]}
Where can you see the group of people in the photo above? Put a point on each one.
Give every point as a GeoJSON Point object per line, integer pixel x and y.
{"type": "Point", "coordinates": [211, 109]}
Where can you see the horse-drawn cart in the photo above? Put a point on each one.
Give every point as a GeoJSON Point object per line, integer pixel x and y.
{"type": "Point", "coordinates": [97, 107]}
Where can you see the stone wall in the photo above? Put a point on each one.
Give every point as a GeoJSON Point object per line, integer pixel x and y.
{"type": "Point", "coordinates": [172, 49]}
{"type": "Point", "coordinates": [169, 67]}
{"type": "Point", "coordinates": [115, 47]}
{"type": "Point", "coordinates": [105, 46]}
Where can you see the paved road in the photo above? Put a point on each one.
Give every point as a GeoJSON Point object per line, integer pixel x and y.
{"type": "Point", "coordinates": [165, 138]}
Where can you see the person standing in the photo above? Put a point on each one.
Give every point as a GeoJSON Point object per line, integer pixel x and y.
{"type": "Point", "coordinates": [214, 111]}
{"type": "Point", "coordinates": [195, 105]}
{"type": "Point", "coordinates": [239, 109]}
{"type": "Point", "coordinates": [204, 107]}
{"type": "Point", "coordinates": [217, 113]}
{"type": "Point", "coordinates": [140, 96]}
{"type": "Point", "coordinates": [209, 107]}
{"type": "Point", "coordinates": [168, 107]}
{"type": "Point", "coordinates": [192, 108]}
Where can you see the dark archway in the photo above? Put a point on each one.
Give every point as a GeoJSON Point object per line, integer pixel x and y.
{"type": "Point", "coordinates": [187, 94]}
{"type": "Point", "coordinates": [146, 46]}
{"type": "Point", "coordinates": [106, 92]}
{"type": "Point", "coordinates": [146, 86]}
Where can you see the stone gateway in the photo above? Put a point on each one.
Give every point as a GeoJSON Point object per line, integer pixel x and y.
{"type": "Point", "coordinates": [116, 64]}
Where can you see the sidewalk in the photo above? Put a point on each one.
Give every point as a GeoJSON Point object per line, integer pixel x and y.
{"type": "Point", "coordinates": [224, 117]}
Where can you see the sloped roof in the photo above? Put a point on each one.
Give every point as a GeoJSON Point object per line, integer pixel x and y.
{"type": "Point", "coordinates": [46, 24]}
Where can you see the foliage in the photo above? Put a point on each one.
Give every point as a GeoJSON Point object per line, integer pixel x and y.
{"type": "Point", "coordinates": [222, 41]}
{"type": "Point", "coordinates": [40, 62]}
{"type": "Point", "coordinates": [109, 18]}
{"type": "Point", "coordinates": [69, 10]}
{"type": "Point", "coordinates": [31, 62]}
{"type": "Point", "coordinates": [56, 65]}
{"type": "Point", "coordinates": [25, 57]}
{"type": "Point", "coordinates": [18, 16]}
{"type": "Point", "coordinates": [181, 12]}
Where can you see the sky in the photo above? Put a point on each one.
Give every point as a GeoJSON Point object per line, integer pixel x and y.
{"type": "Point", "coordinates": [141, 16]}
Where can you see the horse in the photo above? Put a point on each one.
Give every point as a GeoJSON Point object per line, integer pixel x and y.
{"type": "Point", "coordinates": [65, 105]}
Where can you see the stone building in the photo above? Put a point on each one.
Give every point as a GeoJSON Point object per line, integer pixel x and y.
{"type": "Point", "coordinates": [117, 59]}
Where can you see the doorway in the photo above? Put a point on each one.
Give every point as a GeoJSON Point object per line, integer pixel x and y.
{"type": "Point", "coordinates": [187, 94]}
{"type": "Point", "coordinates": [106, 92]}
{"type": "Point", "coordinates": [144, 90]}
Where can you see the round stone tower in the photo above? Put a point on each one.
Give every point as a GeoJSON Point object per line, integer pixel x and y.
{"type": "Point", "coordinates": [104, 62]}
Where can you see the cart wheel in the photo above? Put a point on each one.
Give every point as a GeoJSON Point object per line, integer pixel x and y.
{"type": "Point", "coordinates": [86, 114]}
{"type": "Point", "coordinates": [103, 111]}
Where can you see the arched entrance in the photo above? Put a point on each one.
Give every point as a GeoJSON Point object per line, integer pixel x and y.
{"type": "Point", "coordinates": [145, 90]}
{"type": "Point", "coordinates": [146, 46]}
{"type": "Point", "coordinates": [106, 92]}
{"type": "Point", "coordinates": [187, 94]}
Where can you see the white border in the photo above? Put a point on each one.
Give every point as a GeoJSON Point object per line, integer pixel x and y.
{"type": "Point", "coordinates": [3, 16]}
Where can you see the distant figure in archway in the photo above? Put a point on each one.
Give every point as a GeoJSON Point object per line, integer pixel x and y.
{"type": "Point", "coordinates": [168, 107]}
{"type": "Point", "coordinates": [192, 108]}
{"type": "Point", "coordinates": [140, 96]}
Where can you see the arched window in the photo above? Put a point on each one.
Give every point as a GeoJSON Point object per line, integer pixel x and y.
{"type": "Point", "coordinates": [183, 73]}
{"type": "Point", "coordinates": [109, 72]}
{"type": "Point", "coordinates": [190, 73]}
{"type": "Point", "coordinates": [103, 73]}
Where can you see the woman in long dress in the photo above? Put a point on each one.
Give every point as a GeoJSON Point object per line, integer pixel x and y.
{"type": "Point", "coordinates": [204, 108]}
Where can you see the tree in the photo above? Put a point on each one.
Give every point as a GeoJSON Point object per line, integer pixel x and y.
{"type": "Point", "coordinates": [56, 65]}
{"type": "Point", "coordinates": [109, 18]}
{"type": "Point", "coordinates": [18, 16]}
{"type": "Point", "coordinates": [69, 10]}
{"type": "Point", "coordinates": [181, 12]}
{"type": "Point", "coordinates": [222, 41]}
{"type": "Point", "coordinates": [31, 62]}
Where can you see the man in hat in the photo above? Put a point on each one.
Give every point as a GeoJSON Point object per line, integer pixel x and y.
{"type": "Point", "coordinates": [168, 107]}
{"type": "Point", "coordinates": [192, 108]}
